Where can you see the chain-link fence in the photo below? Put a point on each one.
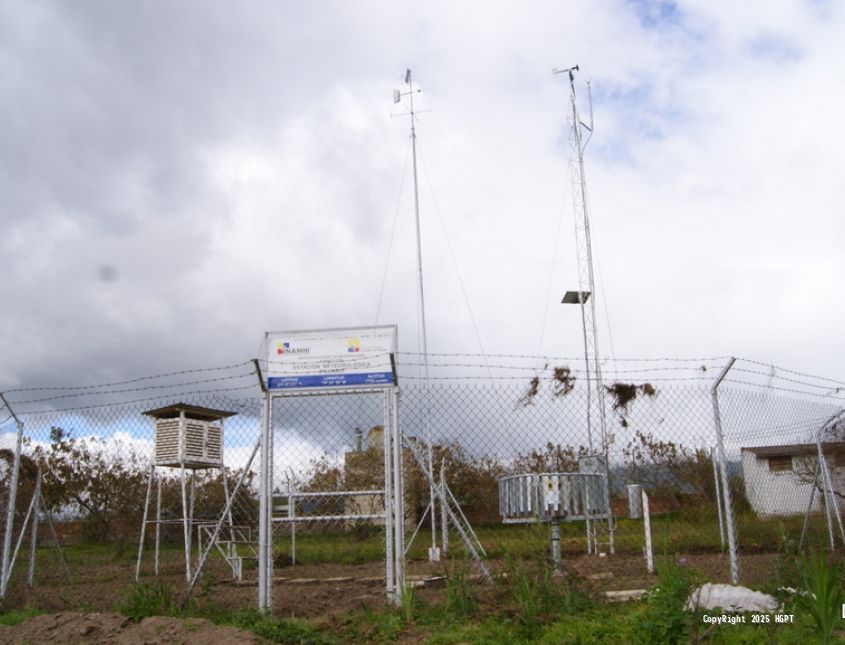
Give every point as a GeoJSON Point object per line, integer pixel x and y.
{"type": "Point", "coordinates": [474, 421]}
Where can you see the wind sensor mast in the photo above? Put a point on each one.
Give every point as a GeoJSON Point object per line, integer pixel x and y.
{"type": "Point", "coordinates": [586, 282]}
{"type": "Point", "coordinates": [434, 551]}
{"type": "Point", "coordinates": [585, 296]}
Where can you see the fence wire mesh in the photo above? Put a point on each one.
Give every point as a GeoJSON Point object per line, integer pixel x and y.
{"type": "Point", "coordinates": [486, 417]}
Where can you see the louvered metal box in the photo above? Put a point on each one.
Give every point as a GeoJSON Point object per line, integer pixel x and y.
{"type": "Point", "coordinates": [188, 436]}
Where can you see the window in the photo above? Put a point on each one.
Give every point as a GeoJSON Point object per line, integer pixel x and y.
{"type": "Point", "coordinates": [780, 464]}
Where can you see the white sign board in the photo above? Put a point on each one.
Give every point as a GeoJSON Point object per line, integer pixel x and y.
{"type": "Point", "coordinates": [331, 358]}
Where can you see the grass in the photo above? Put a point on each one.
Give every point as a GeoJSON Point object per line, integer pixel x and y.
{"type": "Point", "coordinates": [656, 619]}
{"type": "Point", "coordinates": [278, 630]}
{"type": "Point", "coordinates": [146, 599]}
{"type": "Point", "coordinates": [531, 604]}
{"type": "Point", "coordinates": [16, 617]}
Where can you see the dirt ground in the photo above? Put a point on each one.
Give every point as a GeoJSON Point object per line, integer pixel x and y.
{"type": "Point", "coordinates": [328, 591]}
{"type": "Point", "coordinates": [74, 627]}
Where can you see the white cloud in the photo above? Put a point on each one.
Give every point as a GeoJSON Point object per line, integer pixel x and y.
{"type": "Point", "coordinates": [238, 171]}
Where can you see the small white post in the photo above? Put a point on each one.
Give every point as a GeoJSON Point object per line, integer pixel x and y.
{"type": "Point", "coordinates": [649, 554]}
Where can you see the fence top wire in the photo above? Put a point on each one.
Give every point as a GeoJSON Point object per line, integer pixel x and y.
{"type": "Point", "coordinates": [234, 378]}
{"type": "Point", "coordinates": [444, 367]}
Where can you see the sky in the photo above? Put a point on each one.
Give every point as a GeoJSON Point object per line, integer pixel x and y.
{"type": "Point", "coordinates": [177, 178]}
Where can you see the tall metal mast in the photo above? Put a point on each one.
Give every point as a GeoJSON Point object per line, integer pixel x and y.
{"type": "Point", "coordinates": [434, 551]}
{"type": "Point", "coordinates": [585, 297]}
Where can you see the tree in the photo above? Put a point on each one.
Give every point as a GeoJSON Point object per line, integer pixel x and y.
{"type": "Point", "coordinates": [103, 479]}
{"type": "Point", "coordinates": [669, 469]}
{"type": "Point", "coordinates": [552, 458]}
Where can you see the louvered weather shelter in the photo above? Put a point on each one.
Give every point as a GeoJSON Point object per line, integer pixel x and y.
{"type": "Point", "coordinates": [190, 438]}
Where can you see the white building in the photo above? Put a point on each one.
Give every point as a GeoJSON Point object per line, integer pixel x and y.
{"type": "Point", "coordinates": [779, 479]}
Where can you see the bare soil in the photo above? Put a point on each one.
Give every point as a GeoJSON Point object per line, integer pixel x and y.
{"type": "Point", "coordinates": [84, 610]}
{"type": "Point", "coordinates": [74, 627]}
{"type": "Point", "coordinates": [324, 590]}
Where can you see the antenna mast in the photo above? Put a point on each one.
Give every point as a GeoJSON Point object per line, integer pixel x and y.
{"type": "Point", "coordinates": [434, 551]}
{"type": "Point", "coordinates": [586, 294]}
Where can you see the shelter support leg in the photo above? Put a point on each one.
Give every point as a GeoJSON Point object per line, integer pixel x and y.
{"type": "Point", "coordinates": [144, 523]}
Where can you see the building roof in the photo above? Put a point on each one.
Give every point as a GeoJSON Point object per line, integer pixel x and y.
{"type": "Point", "coordinates": [789, 450]}
{"type": "Point", "coordinates": [191, 411]}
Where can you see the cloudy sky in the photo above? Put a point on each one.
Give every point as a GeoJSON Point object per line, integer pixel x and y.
{"type": "Point", "coordinates": [177, 178]}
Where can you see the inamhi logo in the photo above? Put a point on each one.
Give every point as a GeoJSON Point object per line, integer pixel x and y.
{"type": "Point", "coordinates": [285, 348]}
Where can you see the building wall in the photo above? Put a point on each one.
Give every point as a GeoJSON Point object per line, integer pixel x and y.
{"type": "Point", "coordinates": [777, 493]}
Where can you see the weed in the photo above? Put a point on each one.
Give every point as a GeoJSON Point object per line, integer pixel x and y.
{"type": "Point", "coordinates": [665, 619]}
{"type": "Point", "coordinates": [460, 600]}
{"type": "Point", "coordinates": [277, 630]}
{"type": "Point", "coordinates": [372, 626]}
{"type": "Point", "coordinates": [206, 584]}
{"type": "Point", "coordinates": [524, 594]}
{"type": "Point", "coordinates": [149, 600]}
{"type": "Point", "coordinates": [823, 584]}
{"type": "Point", "coordinates": [786, 573]}
{"type": "Point", "coordinates": [408, 603]}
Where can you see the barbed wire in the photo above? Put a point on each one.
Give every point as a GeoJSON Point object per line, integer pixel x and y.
{"type": "Point", "coordinates": [784, 389]}
{"type": "Point", "coordinates": [566, 358]}
{"type": "Point", "coordinates": [140, 389]}
{"type": "Point", "coordinates": [805, 375]}
{"type": "Point", "coordinates": [116, 404]}
{"type": "Point", "coordinates": [784, 378]}
{"type": "Point", "coordinates": [128, 381]}
{"type": "Point", "coordinates": [549, 379]}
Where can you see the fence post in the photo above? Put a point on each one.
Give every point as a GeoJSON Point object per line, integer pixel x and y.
{"type": "Point", "coordinates": [33, 538]}
{"type": "Point", "coordinates": [265, 506]}
{"type": "Point", "coordinates": [394, 594]}
{"type": "Point", "coordinates": [717, 488]}
{"type": "Point", "coordinates": [726, 489]}
{"type": "Point", "coordinates": [444, 518]}
{"type": "Point", "coordinates": [830, 502]}
{"type": "Point", "coordinates": [398, 493]}
{"type": "Point", "coordinates": [10, 507]}
{"type": "Point", "coordinates": [649, 551]}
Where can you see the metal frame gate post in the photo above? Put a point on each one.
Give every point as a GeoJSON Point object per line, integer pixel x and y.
{"type": "Point", "coordinates": [265, 514]}
{"type": "Point", "coordinates": [726, 489]}
{"type": "Point", "coordinates": [394, 593]}
{"type": "Point", "coordinates": [398, 509]}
